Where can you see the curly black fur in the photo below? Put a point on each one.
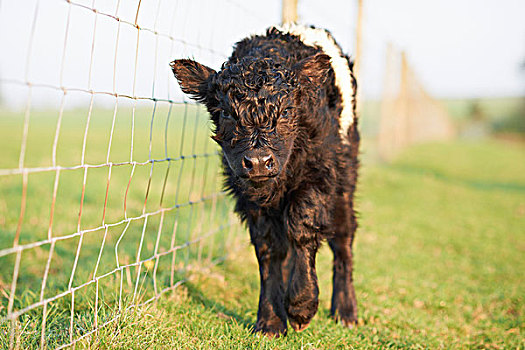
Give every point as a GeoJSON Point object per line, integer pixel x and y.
{"type": "Point", "coordinates": [276, 111]}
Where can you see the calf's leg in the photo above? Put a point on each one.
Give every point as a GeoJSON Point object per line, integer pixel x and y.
{"type": "Point", "coordinates": [306, 217]}
{"type": "Point", "coordinates": [271, 315]}
{"type": "Point", "coordinates": [301, 300]}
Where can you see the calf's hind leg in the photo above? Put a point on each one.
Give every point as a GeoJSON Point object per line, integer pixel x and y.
{"type": "Point", "coordinates": [344, 305]}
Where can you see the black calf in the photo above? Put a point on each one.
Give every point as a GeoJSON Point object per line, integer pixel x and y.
{"type": "Point", "coordinates": [283, 107]}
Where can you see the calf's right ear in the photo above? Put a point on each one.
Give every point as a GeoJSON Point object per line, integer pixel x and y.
{"type": "Point", "coordinates": [192, 77]}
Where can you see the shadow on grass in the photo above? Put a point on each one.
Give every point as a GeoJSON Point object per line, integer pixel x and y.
{"type": "Point", "coordinates": [196, 295]}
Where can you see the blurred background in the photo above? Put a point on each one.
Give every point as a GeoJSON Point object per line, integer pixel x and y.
{"type": "Point", "coordinates": [110, 188]}
{"type": "Point", "coordinates": [470, 58]}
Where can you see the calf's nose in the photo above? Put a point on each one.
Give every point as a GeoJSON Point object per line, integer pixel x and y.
{"type": "Point", "coordinates": [259, 165]}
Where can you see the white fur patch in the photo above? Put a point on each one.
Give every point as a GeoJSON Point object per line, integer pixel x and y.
{"type": "Point", "coordinates": [316, 37]}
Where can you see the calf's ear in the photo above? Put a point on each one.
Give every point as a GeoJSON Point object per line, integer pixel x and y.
{"type": "Point", "coordinates": [313, 69]}
{"type": "Point", "coordinates": [192, 77]}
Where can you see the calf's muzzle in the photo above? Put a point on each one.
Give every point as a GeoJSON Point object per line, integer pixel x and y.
{"type": "Point", "coordinates": [259, 166]}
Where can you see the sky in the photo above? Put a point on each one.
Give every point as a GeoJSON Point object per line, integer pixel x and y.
{"type": "Point", "coordinates": [458, 49]}
{"type": "Point", "coordinates": [461, 48]}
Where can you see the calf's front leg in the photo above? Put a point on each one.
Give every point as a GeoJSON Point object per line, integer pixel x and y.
{"type": "Point", "coordinates": [301, 300]}
{"type": "Point", "coordinates": [306, 219]}
{"type": "Point", "coordinates": [271, 251]}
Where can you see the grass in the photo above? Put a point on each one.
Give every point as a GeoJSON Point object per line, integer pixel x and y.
{"type": "Point", "coordinates": [439, 261]}
{"type": "Point", "coordinates": [439, 264]}
{"type": "Point", "coordinates": [150, 207]}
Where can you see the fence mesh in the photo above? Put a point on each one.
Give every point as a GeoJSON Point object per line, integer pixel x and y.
{"type": "Point", "coordinates": [107, 207]}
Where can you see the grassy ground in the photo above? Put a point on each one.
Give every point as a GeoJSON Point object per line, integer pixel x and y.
{"type": "Point", "coordinates": [439, 264]}
{"type": "Point", "coordinates": [439, 252]}
{"type": "Point", "coordinates": [171, 197]}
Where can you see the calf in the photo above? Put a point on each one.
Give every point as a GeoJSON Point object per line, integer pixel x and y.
{"type": "Point", "coordinates": [283, 110]}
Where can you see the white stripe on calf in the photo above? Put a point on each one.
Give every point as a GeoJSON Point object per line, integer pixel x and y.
{"type": "Point", "coordinates": [321, 38]}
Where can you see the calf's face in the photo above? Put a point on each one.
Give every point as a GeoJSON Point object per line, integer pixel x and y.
{"type": "Point", "coordinates": [255, 105]}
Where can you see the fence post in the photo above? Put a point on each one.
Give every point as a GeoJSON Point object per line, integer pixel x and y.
{"type": "Point", "coordinates": [289, 11]}
{"type": "Point", "coordinates": [358, 51]}
{"type": "Point", "coordinates": [409, 114]}
{"type": "Point", "coordinates": [358, 37]}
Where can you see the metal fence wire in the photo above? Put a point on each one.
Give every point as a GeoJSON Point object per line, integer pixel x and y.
{"type": "Point", "coordinates": [107, 207]}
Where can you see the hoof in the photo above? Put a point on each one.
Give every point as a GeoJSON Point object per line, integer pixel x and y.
{"type": "Point", "coordinates": [270, 331]}
{"type": "Point", "coordinates": [348, 322]}
{"type": "Point", "coordinates": [298, 327]}
{"type": "Point", "coordinates": [300, 314]}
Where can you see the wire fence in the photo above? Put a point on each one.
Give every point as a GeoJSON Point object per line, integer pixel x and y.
{"type": "Point", "coordinates": [110, 186]}
{"type": "Point", "coordinates": [409, 115]}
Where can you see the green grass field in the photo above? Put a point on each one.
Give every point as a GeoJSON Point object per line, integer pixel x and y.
{"type": "Point", "coordinates": [439, 255]}
{"type": "Point", "coordinates": [169, 214]}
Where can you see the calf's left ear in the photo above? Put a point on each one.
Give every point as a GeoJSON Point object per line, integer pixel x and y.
{"type": "Point", "coordinates": [314, 69]}
{"type": "Point", "coordinates": [193, 77]}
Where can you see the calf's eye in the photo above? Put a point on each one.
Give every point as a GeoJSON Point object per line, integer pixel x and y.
{"type": "Point", "coordinates": [225, 116]}
{"type": "Point", "coordinates": [286, 113]}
